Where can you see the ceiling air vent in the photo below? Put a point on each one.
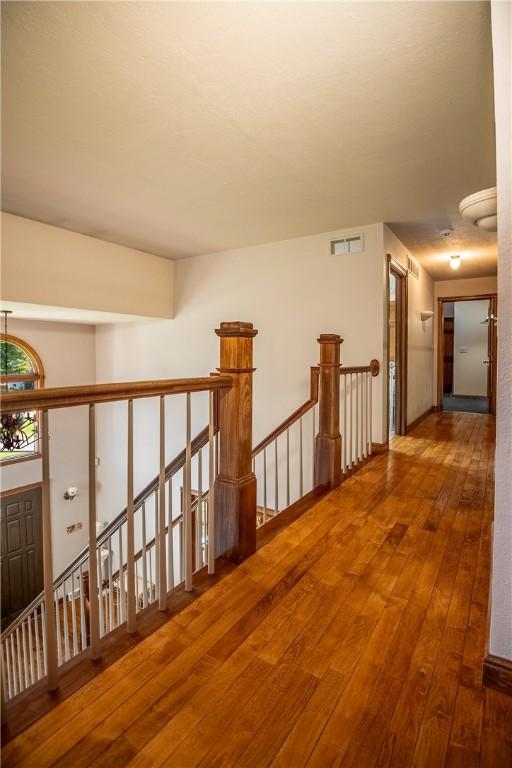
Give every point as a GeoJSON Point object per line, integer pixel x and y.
{"type": "Point", "coordinates": [352, 244]}
{"type": "Point", "coordinates": [413, 268]}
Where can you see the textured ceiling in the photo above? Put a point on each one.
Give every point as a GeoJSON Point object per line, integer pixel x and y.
{"type": "Point", "coordinates": [477, 248]}
{"type": "Point", "coordinates": [184, 128]}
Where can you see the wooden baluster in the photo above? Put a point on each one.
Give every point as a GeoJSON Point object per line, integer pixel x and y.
{"type": "Point", "coordinates": [122, 593]}
{"type": "Point", "coordinates": [31, 649]}
{"type": "Point", "coordinates": [287, 467]}
{"type": "Point", "coordinates": [187, 502]}
{"type": "Point", "coordinates": [328, 441]}
{"type": "Point", "coordinates": [130, 536]}
{"type": "Point", "coordinates": [83, 624]}
{"type": "Point", "coordinates": [162, 565]}
{"type": "Point", "coordinates": [211, 484]}
{"type": "Point", "coordinates": [349, 421]}
{"type": "Point", "coordinates": [182, 551]}
{"type": "Point", "coordinates": [357, 421]}
{"type": "Point", "coordinates": [38, 646]}
{"type": "Point", "coordinates": [15, 686]}
{"type": "Point", "coordinates": [25, 653]}
{"type": "Point", "coordinates": [144, 559]}
{"type": "Point", "coordinates": [276, 479]}
{"type": "Point", "coordinates": [94, 625]}
{"type": "Point", "coordinates": [368, 413]}
{"type": "Point", "coordinates": [150, 587]}
{"type": "Point", "coordinates": [101, 601]}
{"type": "Point", "coordinates": [65, 623]}
{"type": "Point", "coordinates": [365, 410]}
{"type": "Point", "coordinates": [6, 665]}
{"type": "Point", "coordinates": [19, 654]}
{"type": "Point", "coordinates": [110, 586]}
{"type": "Point", "coordinates": [264, 485]}
{"type": "Point", "coordinates": [73, 616]}
{"type": "Point", "coordinates": [301, 460]}
{"type": "Point", "coordinates": [170, 542]}
{"type": "Point", "coordinates": [43, 634]}
{"type": "Point", "coordinates": [50, 628]}
{"type": "Point", "coordinates": [198, 516]}
{"type": "Point", "coordinates": [313, 448]}
{"type": "Point", "coordinates": [235, 487]}
{"type": "Point", "coordinates": [344, 435]}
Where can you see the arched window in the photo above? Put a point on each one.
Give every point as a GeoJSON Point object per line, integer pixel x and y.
{"type": "Point", "coordinates": [20, 368]}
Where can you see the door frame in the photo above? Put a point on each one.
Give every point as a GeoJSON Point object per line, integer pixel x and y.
{"type": "Point", "coordinates": [401, 319]}
{"type": "Point", "coordinates": [493, 306]}
{"type": "Point", "coordinates": [21, 489]}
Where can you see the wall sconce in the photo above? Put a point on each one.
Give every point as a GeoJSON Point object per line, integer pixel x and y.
{"type": "Point", "coordinates": [426, 315]}
{"type": "Point", "coordinates": [71, 492]}
{"type": "Point", "coordinates": [455, 261]}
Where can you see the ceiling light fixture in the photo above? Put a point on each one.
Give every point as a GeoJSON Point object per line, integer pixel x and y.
{"type": "Point", "coordinates": [455, 261]}
{"type": "Point", "coordinates": [481, 209]}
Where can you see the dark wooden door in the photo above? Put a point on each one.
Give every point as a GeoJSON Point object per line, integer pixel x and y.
{"type": "Point", "coordinates": [21, 551]}
{"type": "Point", "coordinates": [448, 356]}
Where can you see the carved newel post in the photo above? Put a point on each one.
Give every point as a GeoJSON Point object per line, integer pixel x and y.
{"type": "Point", "coordinates": [235, 487]}
{"type": "Point", "coordinates": [328, 440]}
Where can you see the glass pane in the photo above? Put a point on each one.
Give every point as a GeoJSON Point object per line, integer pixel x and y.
{"type": "Point", "coordinates": [18, 435]}
{"type": "Point", "coordinates": [14, 360]}
{"type": "Point", "coordinates": [16, 386]}
{"type": "Point", "coordinates": [354, 244]}
{"type": "Point", "coordinates": [341, 246]}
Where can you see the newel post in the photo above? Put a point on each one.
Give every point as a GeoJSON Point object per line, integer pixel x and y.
{"type": "Point", "coordinates": [328, 439]}
{"type": "Point", "coordinates": [235, 487]}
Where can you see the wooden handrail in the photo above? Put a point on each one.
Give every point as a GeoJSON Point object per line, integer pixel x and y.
{"type": "Point", "coordinates": [373, 368]}
{"type": "Point", "coordinates": [295, 416]}
{"type": "Point", "coordinates": [62, 397]}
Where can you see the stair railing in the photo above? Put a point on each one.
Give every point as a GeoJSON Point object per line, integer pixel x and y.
{"type": "Point", "coordinates": [338, 416]}
{"type": "Point", "coordinates": [127, 567]}
{"type": "Point", "coordinates": [284, 461]}
{"type": "Point", "coordinates": [23, 641]}
{"type": "Point", "coordinates": [356, 412]}
{"type": "Point", "coordinates": [120, 572]}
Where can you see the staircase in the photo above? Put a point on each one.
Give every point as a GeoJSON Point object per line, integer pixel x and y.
{"type": "Point", "coordinates": [130, 565]}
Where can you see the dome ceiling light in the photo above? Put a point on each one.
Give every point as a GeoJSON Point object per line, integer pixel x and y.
{"type": "Point", "coordinates": [455, 261]}
{"type": "Point", "coordinates": [481, 209]}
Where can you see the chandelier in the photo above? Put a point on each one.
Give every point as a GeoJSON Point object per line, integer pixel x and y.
{"type": "Point", "coordinates": [18, 431]}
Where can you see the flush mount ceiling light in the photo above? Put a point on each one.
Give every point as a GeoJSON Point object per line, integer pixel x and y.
{"type": "Point", "coordinates": [481, 209]}
{"type": "Point", "coordinates": [455, 261]}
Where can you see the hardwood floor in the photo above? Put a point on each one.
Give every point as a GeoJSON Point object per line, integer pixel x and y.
{"type": "Point", "coordinates": [355, 637]}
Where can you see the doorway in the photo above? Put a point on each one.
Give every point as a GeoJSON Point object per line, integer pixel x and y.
{"type": "Point", "coordinates": [397, 349]}
{"type": "Point", "coordinates": [21, 550]}
{"type": "Point", "coordinates": [466, 372]}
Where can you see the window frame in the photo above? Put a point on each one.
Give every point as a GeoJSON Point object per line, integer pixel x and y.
{"type": "Point", "coordinates": [37, 377]}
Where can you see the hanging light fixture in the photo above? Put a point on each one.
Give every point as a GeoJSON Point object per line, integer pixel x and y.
{"type": "Point", "coordinates": [455, 261]}
{"type": "Point", "coordinates": [17, 430]}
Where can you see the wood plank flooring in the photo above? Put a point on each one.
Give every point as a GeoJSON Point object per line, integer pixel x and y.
{"type": "Point", "coordinates": [355, 637]}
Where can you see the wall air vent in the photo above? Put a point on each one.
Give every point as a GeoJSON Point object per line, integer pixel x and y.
{"type": "Point", "coordinates": [352, 244]}
{"type": "Point", "coordinates": [413, 268]}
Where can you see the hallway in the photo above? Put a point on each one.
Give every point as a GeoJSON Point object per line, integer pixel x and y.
{"type": "Point", "coordinates": [355, 637]}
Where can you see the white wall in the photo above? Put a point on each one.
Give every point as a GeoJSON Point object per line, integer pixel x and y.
{"type": "Point", "coordinates": [292, 291]}
{"type": "Point", "coordinates": [68, 355]}
{"type": "Point", "coordinates": [501, 603]}
{"type": "Point", "coordinates": [67, 269]}
{"type": "Point", "coordinates": [475, 286]}
{"type": "Point", "coordinates": [420, 333]}
{"type": "Point", "coordinates": [470, 348]}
